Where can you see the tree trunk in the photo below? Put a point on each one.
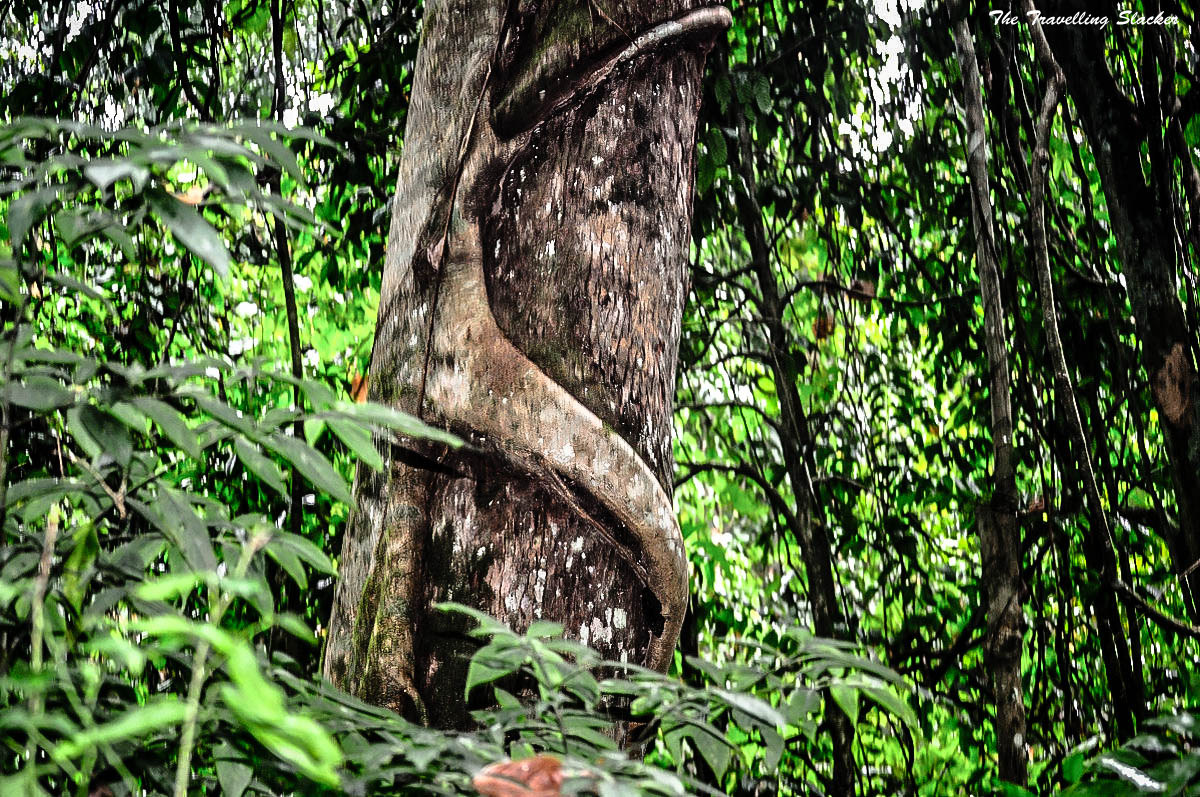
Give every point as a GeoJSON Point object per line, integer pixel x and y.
{"type": "Point", "coordinates": [531, 303]}
{"type": "Point", "coordinates": [1142, 214]}
{"type": "Point", "coordinates": [1100, 549]}
{"type": "Point", "coordinates": [999, 533]}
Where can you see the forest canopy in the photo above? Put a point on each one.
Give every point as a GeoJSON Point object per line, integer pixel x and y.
{"type": "Point", "coordinates": [881, 317]}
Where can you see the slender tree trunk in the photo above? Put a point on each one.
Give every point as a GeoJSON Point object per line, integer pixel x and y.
{"type": "Point", "coordinates": [532, 301]}
{"type": "Point", "coordinates": [999, 533]}
{"type": "Point", "coordinates": [796, 441]}
{"type": "Point", "coordinates": [1142, 214]}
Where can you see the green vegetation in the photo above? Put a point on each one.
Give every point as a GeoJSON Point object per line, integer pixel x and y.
{"type": "Point", "coordinates": [187, 310]}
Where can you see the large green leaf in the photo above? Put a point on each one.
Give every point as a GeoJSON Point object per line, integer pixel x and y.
{"type": "Point", "coordinates": [260, 465]}
{"type": "Point", "coordinates": [190, 228]}
{"type": "Point", "coordinates": [137, 722]}
{"type": "Point", "coordinates": [312, 464]}
{"type": "Point", "coordinates": [171, 422]}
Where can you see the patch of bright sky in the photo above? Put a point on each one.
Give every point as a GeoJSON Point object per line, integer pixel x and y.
{"type": "Point", "coordinates": [867, 130]}
{"type": "Point", "coordinates": [27, 53]}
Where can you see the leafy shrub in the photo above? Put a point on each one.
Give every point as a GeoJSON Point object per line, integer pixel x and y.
{"type": "Point", "coordinates": [143, 565]}
{"type": "Point", "coordinates": [1163, 759]}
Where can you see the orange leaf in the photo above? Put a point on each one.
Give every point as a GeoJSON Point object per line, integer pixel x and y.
{"type": "Point", "coordinates": [358, 387]}
{"type": "Point", "coordinates": [193, 196]}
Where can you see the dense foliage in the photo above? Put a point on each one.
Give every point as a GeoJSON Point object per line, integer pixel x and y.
{"type": "Point", "coordinates": [187, 310]}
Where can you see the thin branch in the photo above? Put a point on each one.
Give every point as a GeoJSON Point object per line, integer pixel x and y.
{"type": "Point", "coordinates": [1062, 377]}
{"type": "Point", "coordinates": [1163, 619]}
{"type": "Point", "coordinates": [773, 495]}
{"type": "Point", "coordinates": [284, 252]}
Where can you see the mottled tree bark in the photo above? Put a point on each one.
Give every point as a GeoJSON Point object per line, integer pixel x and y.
{"type": "Point", "coordinates": [531, 303]}
{"type": "Point", "coordinates": [999, 533]}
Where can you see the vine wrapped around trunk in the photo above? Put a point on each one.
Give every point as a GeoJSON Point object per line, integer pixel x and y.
{"type": "Point", "coordinates": [531, 303]}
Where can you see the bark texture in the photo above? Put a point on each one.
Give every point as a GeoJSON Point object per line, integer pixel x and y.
{"type": "Point", "coordinates": [1100, 549]}
{"type": "Point", "coordinates": [1141, 195]}
{"type": "Point", "coordinates": [531, 303]}
{"type": "Point", "coordinates": [999, 533]}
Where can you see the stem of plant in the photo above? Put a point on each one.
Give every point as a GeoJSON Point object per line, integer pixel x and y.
{"type": "Point", "coordinates": [187, 739]}
{"type": "Point", "coordinates": [37, 601]}
{"type": "Point", "coordinates": [37, 619]}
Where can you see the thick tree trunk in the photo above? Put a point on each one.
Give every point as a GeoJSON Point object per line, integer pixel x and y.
{"type": "Point", "coordinates": [1142, 214]}
{"type": "Point", "coordinates": [531, 302]}
{"type": "Point", "coordinates": [1100, 549]}
{"type": "Point", "coordinates": [999, 532]}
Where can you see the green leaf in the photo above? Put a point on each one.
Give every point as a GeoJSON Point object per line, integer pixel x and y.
{"type": "Point", "coordinates": [389, 418]}
{"type": "Point", "coordinates": [185, 530]}
{"type": "Point", "coordinates": [751, 705]}
{"type": "Point", "coordinates": [762, 93]}
{"type": "Point", "coordinates": [312, 464]}
{"type": "Point", "coordinates": [233, 774]}
{"type": "Point", "coordinates": [847, 698]}
{"type": "Point", "coordinates": [303, 548]}
{"type": "Point", "coordinates": [40, 394]}
{"type": "Point", "coordinates": [313, 429]}
{"type": "Point", "coordinates": [256, 702]}
{"type": "Point", "coordinates": [486, 624]}
{"type": "Point", "coordinates": [773, 743]}
{"type": "Point", "coordinates": [119, 650]}
{"type": "Point", "coordinates": [131, 416]}
{"type": "Point", "coordinates": [171, 422]}
{"type": "Point", "coordinates": [723, 92]}
{"type": "Point", "coordinates": [275, 149]}
{"type": "Point", "coordinates": [716, 146]}
{"type": "Point", "coordinates": [10, 281]}
{"type": "Point", "coordinates": [227, 415]}
{"type": "Point", "coordinates": [290, 563]}
{"type": "Point", "coordinates": [1128, 772]}
{"type": "Point", "coordinates": [134, 723]}
{"type": "Point", "coordinates": [481, 671]}
{"type": "Point", "coordinates": [104, 173]}
{"type": "Point", "coordinates": [296, 627]}
{"type": "Point", "coordinates": [171, 586]}
{"type": "Point", "coordinates": [260, 465]}
{"type": "Point", "coordinates": [31, 489]}
{"type": "Point", "coordinates": [889, 700]}
{"type": "Point", "coordinates": [358, 440]}
{"type": "Point", "coordinates": [190, 228]}
{"type": "Point", "coordinates": [25, 211]}
{"type": "Point", "coordinates": [715, 749]}
{"type": "Point", "coordinates": [543, 629]}
{"type": "Point", "coordinates": [109, 434]}
{"type": "Point", "coordinates": [83, 555]}
{"type": "Point", "coordinates": [1072, 766]}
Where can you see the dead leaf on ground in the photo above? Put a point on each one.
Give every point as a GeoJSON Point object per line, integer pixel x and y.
{"type": "Point", "coordinates": [539, 776]}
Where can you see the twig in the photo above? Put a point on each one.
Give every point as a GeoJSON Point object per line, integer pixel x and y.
{"type": "Point", "coordinates": [284, 252]}
{"type": "Point", "coordinates": [1157, 615]}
